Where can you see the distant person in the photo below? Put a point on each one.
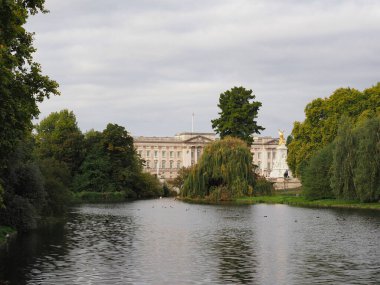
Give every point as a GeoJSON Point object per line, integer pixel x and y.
{"type": "Point", "coordinates": [286, 174]}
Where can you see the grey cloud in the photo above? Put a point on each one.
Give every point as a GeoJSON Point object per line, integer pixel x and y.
{"type": "Point", "coordinates": [150, 64]}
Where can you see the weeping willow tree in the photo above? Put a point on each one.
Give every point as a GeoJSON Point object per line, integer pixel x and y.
{"type": "Point", "coordinates": [223, 172]}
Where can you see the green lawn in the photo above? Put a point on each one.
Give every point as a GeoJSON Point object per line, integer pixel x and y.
{"type": "Point", "coordinates": [298, 200]}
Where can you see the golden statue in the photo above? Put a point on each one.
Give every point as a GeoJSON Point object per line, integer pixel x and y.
{"type": "Point", "coordinates": [281, 141]}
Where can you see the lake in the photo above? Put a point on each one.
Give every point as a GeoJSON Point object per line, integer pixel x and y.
{"type": "Point", "coordinates": [165, 241]}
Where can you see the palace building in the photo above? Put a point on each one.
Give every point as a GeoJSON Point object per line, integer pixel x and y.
{"type": "Point", "coordinates": [164, 156]}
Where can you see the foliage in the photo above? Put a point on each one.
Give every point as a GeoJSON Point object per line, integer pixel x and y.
{"type": "Point", "coordinates": [317, 175]}
{"type": "Point", "coordinates": [238, 115]}
{"type": "Point", "coordinates": [367, 170]}
{"type": "Point", "coordinates": [97, 197]}
{"type": "Point", "coordinates": [349, 167]}
{"type": "Point", "coordinates": [24, 196]}
{"type": "Point", "coordinates": [22, 85]}
{"type": "Point", "coordinates": [111, 164]}
{"type": "Point", "coordinates": [289, 139]}
{"type": "Point", "coordinates": [263, 187]}
{"type": "Point", "coordinates": [1, 196]}
{"type": "Point", "coordinates": [182, 174]}
{"type": "Point", "coordinates": [147, 186]}
{"type": "Point", "coordinates": [344, 160]}
{"type": "Point", "coordinates": [4, 231]}
{"type": "Point", "coordinates": [94, 173]}
{"type": "Point", "coordinates": [322, 121]}
{"type": "Point", "coordinates": [59, 137]}
{"type": "Point", "coordinates": [356, 161]}
{"type": "Point", "coordinates": [119, 148]}
{"type": "Point", "coordinates": [57, 179]}
{"type": "Point", "coordinates": [224, 171]}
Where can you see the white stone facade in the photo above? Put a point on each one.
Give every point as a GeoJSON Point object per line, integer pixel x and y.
{"type": "Point", "coordinates": [264, 152]}
{"type": "Point", "coordinates": [164, 156]}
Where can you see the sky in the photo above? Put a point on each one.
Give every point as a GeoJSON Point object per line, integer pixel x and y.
{"type": "Point", "coordinates": [148, 65]}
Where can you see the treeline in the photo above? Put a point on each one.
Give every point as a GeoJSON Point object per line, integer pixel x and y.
{"type": "Point", "coordinates": [57, 159]}
{"type": "Point", "coordinates": [336, 150]}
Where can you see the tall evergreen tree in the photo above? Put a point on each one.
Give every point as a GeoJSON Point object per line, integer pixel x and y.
{"type": "Point", "coordinates": [238, 115]}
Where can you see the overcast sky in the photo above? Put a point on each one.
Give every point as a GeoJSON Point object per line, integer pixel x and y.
{"type": "Point", "coordinates": [148, 65]}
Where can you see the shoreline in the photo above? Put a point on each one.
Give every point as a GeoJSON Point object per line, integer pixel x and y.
{"type": "Point", "coordinates": [298, 201]}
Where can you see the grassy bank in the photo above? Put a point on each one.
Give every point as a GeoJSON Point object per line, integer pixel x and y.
{"type": "Point", "coordinates": [4, 230]}
{"type": "Point", "coordinates": [98, 197]}
{"type": "Point", "coordinates": [301, 201]}
{"type": "Point", "coordinates": [293, 197]}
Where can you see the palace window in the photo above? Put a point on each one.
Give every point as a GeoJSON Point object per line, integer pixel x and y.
{"type": "Point", "coordinates": [147, 164]}
{"type": "Point", "coordinates": [148, 153]}
{"type": "Point", "coordinates": [163, 153]}
{"type": "Point", "coordinates": [156, 164]}
{"type": "Point", "coordinates": [163, 164]}
{"type": "Point", "coordinates": [179, 153]}
{"type": "Point", "coordinates": [171, 164]}
{"type": "Point", "coordinates": [274, 155]}
{"type": "Point", "coordinates": [171, 154]}
{"type": "Point", "coordinates": [178, 164]}
{"type": "Point", "coordinates": [155, 153]}
{"type": "Point", "coordinates": [268, 155]}
{"type": "Point", "coordinates": [259, 155]}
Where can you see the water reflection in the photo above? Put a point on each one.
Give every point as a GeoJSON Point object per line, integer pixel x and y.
{"type": "Point", "coordinates": [236, 257]}
{"type": "Point", "coordinates": [169, 242]}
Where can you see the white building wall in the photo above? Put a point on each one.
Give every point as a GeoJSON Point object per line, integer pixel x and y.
{"type": "Point", "coordinates": [184, 143]}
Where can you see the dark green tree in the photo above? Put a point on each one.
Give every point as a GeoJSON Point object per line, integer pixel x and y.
{"type": "Point", "coordinates": [59, 137]}
{"type": "Point", "coordinates": [316, 176]}
{"type": "Point", "coordinates": [238, 115]}
{"type": "Point", "coordinates": [25, 195]}
{"type": "Point", "coordinates": [125, 163]}
{"type": "Point", "coordinates": [344, 160]}
{"type": "Point", "coordinates": [22, 84]}
{"type": "Point", "coordinates": [57, 179]}
{"type": "Point", "coordinates": [367, 168]}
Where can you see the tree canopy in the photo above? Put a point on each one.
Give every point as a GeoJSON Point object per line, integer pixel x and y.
{"type": "Point", "coordinates": [223, 172]}
{"type": "Point", "coordinates": [22, 84]}
{"type": "Point", "coordinates": [22, 87]}
{"type": "Point", "coordinates": [238, 115]}
{"type": "Point", "coordinates": [59, 137]}
{"type": "Point", "coordinates": [322, 121]}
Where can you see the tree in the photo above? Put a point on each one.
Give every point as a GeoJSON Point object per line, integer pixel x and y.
{"type": "Point", "coordinates": [182, 174]}
{"type": "Point", "coordinates": [1, 196]}
{"type": "Point", "coordinates": [322, 121]}
{"type": "Point", "coordinates": [118, 145]}
{"type": "Point", "coordinates": [22, 85]}
{"type": "Point", "coordinates": [223, 172]}
{"type": "Point", "coordinates": [344, 160]}
{"type": "Point", "coordinates": [25, 195]}
{"type": "Point", "coordinates": [316, 176]}
{"type": "Point", "coordinates": [57, 179]}
{"type": "Point", "coordinates": [238, 115]}
{"type": "Point", "coordinates": [367, 153]}
{"type": "Point", "coordinates": [59, 137]}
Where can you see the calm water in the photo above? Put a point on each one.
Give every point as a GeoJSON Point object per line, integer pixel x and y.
{"type": "Point", "coordinates": [170, 242]}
